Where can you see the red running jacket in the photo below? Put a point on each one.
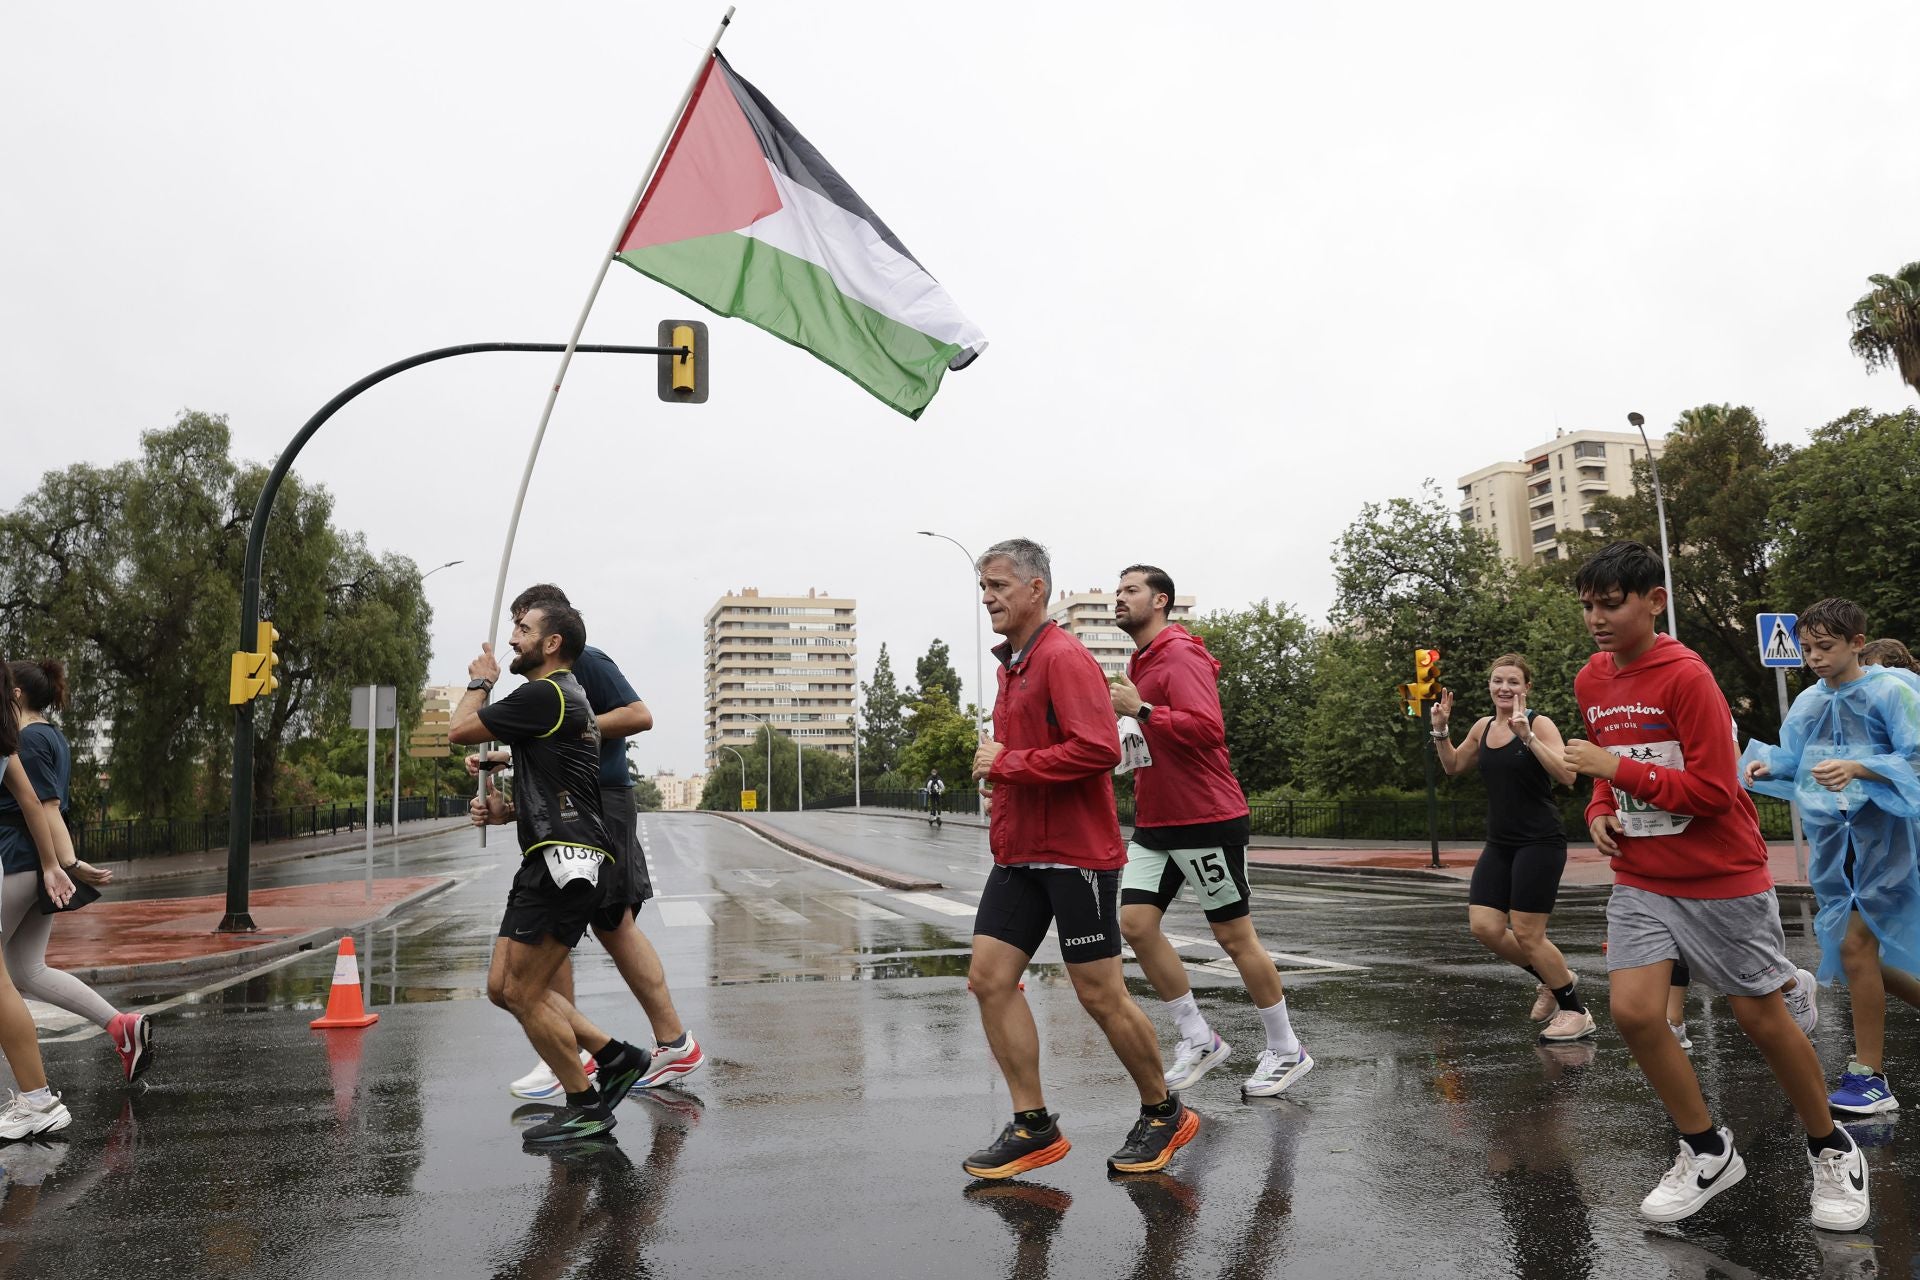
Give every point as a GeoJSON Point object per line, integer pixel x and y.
{"type": "Point", "coordinates": [1191, 779]}
{"type": "Point", "coordinates": [1053, 785]}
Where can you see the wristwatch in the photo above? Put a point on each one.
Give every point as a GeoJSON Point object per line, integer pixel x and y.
{"type": "Point", "coordinates": [484, 686]}
{"type": "Point", "coordinates": [1145, 713]}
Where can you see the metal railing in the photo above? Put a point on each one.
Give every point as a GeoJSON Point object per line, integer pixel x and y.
{"type": "Point", "coordinates": [1459, 819]}
{"type": "Point", "coordinates": [122, 839]}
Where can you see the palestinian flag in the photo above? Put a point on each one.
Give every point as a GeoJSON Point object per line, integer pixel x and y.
{"type": "Point", "coordinates": [745, 217]}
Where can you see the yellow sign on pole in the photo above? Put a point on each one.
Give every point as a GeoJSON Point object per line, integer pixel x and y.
{"type": "Point", "coordinates": [749, 801]}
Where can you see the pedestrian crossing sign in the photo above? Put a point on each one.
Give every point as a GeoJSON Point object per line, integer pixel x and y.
{"type": "Point", "coordinates": [1779, 639]}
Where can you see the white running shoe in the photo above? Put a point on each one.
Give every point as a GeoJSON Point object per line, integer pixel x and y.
{"type": "Point", "coordinates": [670, 1065]}
{"type": "Point", "coordinates": [1840, 1188]}
{"type": "Point", "coordinates": [1693, 1180]}
{"type": "Point", "coordinates": [1276, 1072]}
{"type": "Point", "coordinates": [1194, 1060]}
{"type": "Point", "coordinates": [541, 1084]}
{"type": "Point", "coordinates": [1679, 1030]}
{"type": "Point", "coordinates": [21, 1119]}
{"type": "Point", "coordinates": [1802, 1002]}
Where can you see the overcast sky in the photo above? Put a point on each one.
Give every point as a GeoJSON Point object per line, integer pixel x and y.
{"type": "Point", "coordinates": [1243, 269]}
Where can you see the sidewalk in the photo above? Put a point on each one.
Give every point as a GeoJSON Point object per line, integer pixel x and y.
{"type": "Point", "coordinates": [162, 866]}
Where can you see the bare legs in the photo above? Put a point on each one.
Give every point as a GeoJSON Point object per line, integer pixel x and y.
{"type": "Point", "coordinates": [520, 980]}
{"type": "Point", "coordinates": [1520, 938]}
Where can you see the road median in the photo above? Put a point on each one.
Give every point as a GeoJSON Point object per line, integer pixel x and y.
{"type": "Point", "coordinates": [827, 857]}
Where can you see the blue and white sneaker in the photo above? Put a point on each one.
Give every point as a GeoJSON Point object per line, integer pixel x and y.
{"type": "Point", "coordinates": [1195, 1059]}
{"type": "Point", "coordinates": [1862, 1092]}
{"type": "Point", "coordinates": [1275, 1072]}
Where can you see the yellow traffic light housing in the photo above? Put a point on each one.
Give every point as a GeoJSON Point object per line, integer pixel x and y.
{"type": "Point", "coordinates": [683, 370]}
{"type": "Point", "coordinates": [269, 678]}
{"type": "Point", "coordinates": [251, 674]}
{"type": "Point", "coordinates": [1426, 666]}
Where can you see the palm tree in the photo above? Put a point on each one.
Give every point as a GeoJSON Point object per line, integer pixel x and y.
{"type": "Point", "coordinates": [1886, 324]}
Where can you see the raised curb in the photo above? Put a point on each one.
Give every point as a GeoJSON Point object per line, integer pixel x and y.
{"type": "Point", "coordinates": [838, 861]}
{"type": "Point", "coordinates": [249, 957]}
{"type": "Point", "coordinates": [267, 856]}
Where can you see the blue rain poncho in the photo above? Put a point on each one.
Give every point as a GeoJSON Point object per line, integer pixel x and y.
{"type": "Point", "coordinates": [1876, 721]}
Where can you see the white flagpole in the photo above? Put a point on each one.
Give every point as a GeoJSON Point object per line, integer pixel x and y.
{"type": "Point", "coordinates": [566, 357]}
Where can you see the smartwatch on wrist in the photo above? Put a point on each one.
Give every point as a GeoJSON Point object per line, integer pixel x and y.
{"type": "Point", "coordinates": [484, 686]}
{"type": "Point", "coordinates": [1145, 713]}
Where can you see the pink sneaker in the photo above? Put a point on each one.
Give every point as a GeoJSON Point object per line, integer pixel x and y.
{"type": "Point", "coordinates": [1543, 1004]}
{"type": "Point", "coordinates": [1567, 1024]}
{"type": "Point", "coordinates": [132, 1036]}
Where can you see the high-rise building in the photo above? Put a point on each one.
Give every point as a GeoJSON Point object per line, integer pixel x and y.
{"type": "Point", "coordinates": [1526, 506]}
{"type": "Point", "coordinates": [787, 660]}
{"type": "Point", "coordinates": [1087, 616]}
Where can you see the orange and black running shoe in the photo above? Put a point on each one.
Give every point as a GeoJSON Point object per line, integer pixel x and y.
{"type": "Point", "coordinates": [1154, 1140]}
{"type": "Point", "coordinates": [1019, 1149]}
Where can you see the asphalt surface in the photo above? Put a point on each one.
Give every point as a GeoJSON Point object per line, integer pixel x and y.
{"type": "Point", "coordinates": [848, 1077]}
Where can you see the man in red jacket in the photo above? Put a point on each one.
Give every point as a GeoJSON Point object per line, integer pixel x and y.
{"type": "Point", "coordinates": [1191, 826]}
{"type": "Point", "coordinates": [1690, 880]}
{"type": "Point", "coordinates": [1057, 857]}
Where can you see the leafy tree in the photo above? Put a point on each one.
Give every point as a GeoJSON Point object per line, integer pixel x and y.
{"type": "Point", "coordinates": [1719, 474]}
{"type": "Point", "coordinates": [883, 723]}
{"type": "Point", "coordinates": [1266, 688]}
{"type": "Point", "coordinates": [934, 672]}
{"type": "Point", "coordinates": [646, 796]}
{"type": "Point", "coordinates": [1886, 324]}
{"type": "Point", "coordinates": [828, 773]}
{"type": "Point", "coordinates": [943, 739]}
{"type": "Point", "coordinates": [1847, 508]}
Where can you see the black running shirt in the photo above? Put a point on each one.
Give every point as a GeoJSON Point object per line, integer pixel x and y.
{"type": "Point", "coordinates": [556, 763]}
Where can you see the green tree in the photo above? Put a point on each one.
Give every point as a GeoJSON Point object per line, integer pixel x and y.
{"type": "Point", "coordinates": [1266, 687]}
{"type": "Point", "coordinates": [883, 721]}
{"type": "Point", "coordinates": [943, 739]}
{"type": "Point", "coordinates": [934, 672]}
{"type": "Point", "coordinates": [1847, 508]}
{"type": "Point", "coordinates": [828, 774]}
{"type": "Point", "coordinates": [1886, 324]}
{"type": "Point", "coordinates": [646, 795]}
{"type": "Point", "coordinates": [1719, 474]}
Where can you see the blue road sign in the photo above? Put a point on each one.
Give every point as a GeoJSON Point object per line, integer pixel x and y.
{"type": "Point", "coordinates": [1779, 641]}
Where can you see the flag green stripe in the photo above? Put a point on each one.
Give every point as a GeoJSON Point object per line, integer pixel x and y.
{"type": "Point", "coordinates": [791, 298]}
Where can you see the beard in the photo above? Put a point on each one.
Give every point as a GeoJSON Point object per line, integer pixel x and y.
{"type": "Point", "coordinates": [1130, 624]}
{"type": "Point", "coordinates": [523, 663]}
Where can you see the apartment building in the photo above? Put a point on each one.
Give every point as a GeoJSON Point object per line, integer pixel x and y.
{"type": "Point", "coordinates": [677, 792]}
{"type": "Point", "coordinates": [1527, 506]}
{"type": "Point", "coordinates": [1087, 616]}
{"type": "Point", "coordinates": [785, 660]}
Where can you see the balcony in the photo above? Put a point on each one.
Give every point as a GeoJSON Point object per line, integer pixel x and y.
{"type": "Point", "coordinates": [1593, 484]}
{"type": "Point", "coordinates": [1539, 516]}
{"type": "Point", "coordinates": [1544, 538]}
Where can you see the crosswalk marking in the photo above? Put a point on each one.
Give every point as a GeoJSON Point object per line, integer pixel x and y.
{"type": "Point", "coordinates": [858, 908]}
{"type": "Point", "coordinates": [934, 902]}
{"type": "Point", "coordinates": [767, 911]}
{"type": "Point", "coordinates": [678, 913]}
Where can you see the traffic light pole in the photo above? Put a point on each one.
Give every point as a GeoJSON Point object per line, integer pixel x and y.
{"type": "Point", "coordinates": [238, 918]}
{"type": "Point", "coordinates": [1433, 803]}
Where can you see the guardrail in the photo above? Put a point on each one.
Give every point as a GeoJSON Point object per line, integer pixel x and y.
{"type": "Point", "coordinates": [1332, 819]}
{"type": "Point", "coordinates": [123, 839]}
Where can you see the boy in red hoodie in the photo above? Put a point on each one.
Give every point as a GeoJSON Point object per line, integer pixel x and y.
{"type": "Point", "coordinates": [1690, 879]}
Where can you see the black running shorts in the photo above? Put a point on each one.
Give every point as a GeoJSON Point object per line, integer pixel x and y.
{"type": "Point", "coordinates": [1518, 877]}
{"type": "Point", "coordinates": [537, 908]}
{"type": "Point", "coordinates": [625, 883]}
{"type": "Point", "coordinates": [1020, 902]}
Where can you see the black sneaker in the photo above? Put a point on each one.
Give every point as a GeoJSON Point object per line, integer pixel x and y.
{"type": "Point", "coordinates": [1019, 1150]}
{"type": "Point", "coordinates": [570, 1123]}
{"type": "Point", "coordinates": [616, 1082]}
{"type": "Point", "coordinates": [1154, 1140]}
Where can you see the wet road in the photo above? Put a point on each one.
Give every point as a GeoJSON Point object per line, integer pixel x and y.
{"type": "Point", "coordinates": [849, 1076]}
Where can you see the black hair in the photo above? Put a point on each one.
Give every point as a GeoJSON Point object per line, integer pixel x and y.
{"type": "Point", "coordinates": [563, 620]}
{"type": "Point", "coordinates": [9, 719]}
{"type": "Point", "coordinates": [1158, 582]}
{"type": "Point", "coordinates": [1841, 619]}
{"type": "Point", "coordinates": [42, 684]}
{"type": "Point", "coordinates": [1631, 566]}
{"type": "Point", "coordinates": [536, 596]}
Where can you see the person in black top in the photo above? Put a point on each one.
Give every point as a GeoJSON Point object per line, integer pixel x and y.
{"type": "Point", "coordinates": [564, 851]}
{"type": "Point", "coordinates": [1518, 875]}
{"type": "Point", "coordinates": [619, 713]}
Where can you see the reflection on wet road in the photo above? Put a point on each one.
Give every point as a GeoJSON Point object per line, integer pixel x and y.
{"type": "Point", "coordinates": [849, 1076]}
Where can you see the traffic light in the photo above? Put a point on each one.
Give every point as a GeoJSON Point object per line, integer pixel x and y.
{"type": "Point", "coordinates": [1425, 687]}
{"type": "Point", "coordinates": [1426, 666]}
{"type": "Point", "coordinates": [683, 378]}
{"type": "Point", "coordinates": [251, 675]}
{"type": "Point", "coordinates": [1410, 699]}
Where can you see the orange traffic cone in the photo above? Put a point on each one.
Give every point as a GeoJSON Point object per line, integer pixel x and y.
{"type": "Point", "coordinates": [344, 1008]}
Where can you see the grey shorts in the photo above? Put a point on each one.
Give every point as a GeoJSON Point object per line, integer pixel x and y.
{"type": "Point", "coordinates": [1733, 945]}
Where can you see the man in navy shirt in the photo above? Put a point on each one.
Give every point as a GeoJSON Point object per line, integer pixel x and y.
{"type": "Point", "coordinates": [619, 714]}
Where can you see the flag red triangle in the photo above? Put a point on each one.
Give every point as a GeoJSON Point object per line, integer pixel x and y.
{"type": "Point", "coordinates": [712, 178]}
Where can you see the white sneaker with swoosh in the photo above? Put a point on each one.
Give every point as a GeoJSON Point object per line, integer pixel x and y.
{"type": "Point", "coordinates": [1840, 1200]}
{"type": "Point", "coordinates": [1694, 1180]}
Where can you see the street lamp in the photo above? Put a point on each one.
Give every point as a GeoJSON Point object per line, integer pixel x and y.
{"type": "Point", "coordinates": [1660, 505]}
{"type": "Point", "coordinates": [743, 764]}
{"type": "Point", "coordinates": [448, 565]}
{"type": "Point", "coordinates": [763, 720]}
{"type": "Point", "coordinates": [979, 680]}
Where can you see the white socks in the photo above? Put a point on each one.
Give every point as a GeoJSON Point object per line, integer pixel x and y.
{"type": "Point", "coordinates": [1280, 1037]}
{"type": "Point", "coordinates": [1192, 1023]}
{"type": "Point", "coordinates": [38, 1097]}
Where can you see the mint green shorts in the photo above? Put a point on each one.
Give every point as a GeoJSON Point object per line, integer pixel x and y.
{"type": "Point", "coordinates": [1217, 876]}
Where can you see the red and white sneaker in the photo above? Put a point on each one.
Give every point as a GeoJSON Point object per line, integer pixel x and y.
{"type": "Point", "coordinates": [541, 1084]}
{"type": "Point", "coordinates": [132, 1036]}
{"type": "Point", "coordinates": [673, 1063]}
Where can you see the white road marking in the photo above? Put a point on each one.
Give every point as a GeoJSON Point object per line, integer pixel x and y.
{"type": "Point", "coordinates": [756, 877]}
{"type": "Point", "coordinates": [789, 853]}
{"type": "Point", "coordinates": [858, 908]}
{"type": "Point", "coordinates": [966, 871]}
{"type": "Point", "coordinates": [934, 902]}
{"type": "Point", "coordinates": [767, 911]}
{"type": "Point", "coordinates": [680, 914]}
{"type": "Point", "coordinates": [50, 1018]}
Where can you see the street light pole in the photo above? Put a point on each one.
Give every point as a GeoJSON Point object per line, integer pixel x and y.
{"type": "Point", "coordinates": [769, 727]}
{"type": "Point", "coordinates": [853, 727]}
{"type": "Point", "coordinates": [743, 766]}
{"type": "Point", "coordinates": [1660, 505]}
{"type": "Point", "coordinates": [979, 668]}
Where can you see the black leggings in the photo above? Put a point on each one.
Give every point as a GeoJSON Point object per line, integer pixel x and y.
{"type": "Point", "coordinates": [1518, 877]}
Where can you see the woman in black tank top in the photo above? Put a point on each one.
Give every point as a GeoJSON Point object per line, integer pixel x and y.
{"type": "Point", "coordinates": [1518, 875]}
